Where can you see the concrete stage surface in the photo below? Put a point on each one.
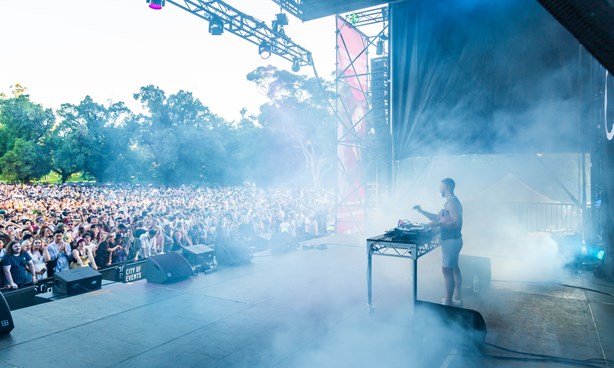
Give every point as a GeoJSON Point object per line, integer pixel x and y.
{"type": "Point", "coordinates": [308, 308]}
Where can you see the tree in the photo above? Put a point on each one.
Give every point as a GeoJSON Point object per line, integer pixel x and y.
{"type": "Point", "coordinates": [23, 126]}
{"type": "Point", "coordinates": [94, 139]}
{"type": "Point", "coordinates": [181, 137]}
{"type": "Point", "coordinates": [25, 161]}
{"type": "Point", "coordinates": [300, 113]}
{"type": "Point", "coordinates": [21, 118]}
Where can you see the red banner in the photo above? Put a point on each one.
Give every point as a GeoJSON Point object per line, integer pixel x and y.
{"type": "Point", "coordinates": [352, 62]}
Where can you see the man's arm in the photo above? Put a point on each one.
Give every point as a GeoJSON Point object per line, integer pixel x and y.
{"type": "Point", "coordinates": [32, 271]}
{"type": "Point", "coordinates": [431, 216]}
{"type": "Point", "coordinates": [9, 277]}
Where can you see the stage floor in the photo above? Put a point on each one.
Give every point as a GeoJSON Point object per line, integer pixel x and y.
{"type": "Point", "coordinates": [308, 308]}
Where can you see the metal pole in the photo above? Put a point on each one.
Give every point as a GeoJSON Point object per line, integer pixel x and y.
{"type": "Point", "coordinates": [369, 275]}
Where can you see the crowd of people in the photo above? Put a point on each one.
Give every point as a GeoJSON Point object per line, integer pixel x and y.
{"type": "Point", "coordinates": [51, 228]}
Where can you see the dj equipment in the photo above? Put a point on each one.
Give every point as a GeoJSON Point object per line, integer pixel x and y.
{"type": "Point", "coordinates": [407, 231]}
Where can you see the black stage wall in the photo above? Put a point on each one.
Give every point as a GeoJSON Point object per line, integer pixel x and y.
{"type": "Point", "coordinates": [485, 76]}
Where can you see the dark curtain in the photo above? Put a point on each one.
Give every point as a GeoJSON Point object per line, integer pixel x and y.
{"type": "Point", "coordinates": [483, 76]}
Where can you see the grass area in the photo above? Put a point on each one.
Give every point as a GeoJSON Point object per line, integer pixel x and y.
{"type": "Point", "coordinates": [54, 178]}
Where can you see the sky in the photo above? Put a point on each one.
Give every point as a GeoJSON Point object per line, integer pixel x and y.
{"type": "Point", "coordinates": [62, 51]}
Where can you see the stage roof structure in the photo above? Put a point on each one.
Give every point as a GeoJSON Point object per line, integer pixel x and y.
{"type": "Point", "coordinates": [312, 9]}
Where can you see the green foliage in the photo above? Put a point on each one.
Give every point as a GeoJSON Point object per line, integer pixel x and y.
{"type": "Point", "coordinates": [181, 137]}
{"type": "Point", "coordinates": [92, 138]}
{"type": "Point", "coordinates": [23, 126]}
{"type": "Point", "coordinates": [176, 140]}
{"type": "Point", "coordinates": [300, 114]}
{"type": "Point", "coordinates": [24, 162]}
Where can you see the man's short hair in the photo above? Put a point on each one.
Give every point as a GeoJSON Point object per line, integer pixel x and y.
{"type": "Point", "coordinates": [58, 231]}
{"type": "Point", "coordinates": [449, 183]}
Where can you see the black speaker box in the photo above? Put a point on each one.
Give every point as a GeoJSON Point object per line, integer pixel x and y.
{"type": "Point", "coordinates": [199, 255]}
{"type": "Point", "coordinates": [282, 242]}
{"type": "Point", "coordinates": [76, 281]}
{"type": "Point", "coordinates": [457, 325]}
{"type": "Point", "coordinates": [21, 298]}
{"type": "Point", "coordinates": [476, 272]}
{"type": "Point", "coordinates": [168, 267]}
{"type": "Point", "coordinates": [6, 320]}
{"type": "Point", "coordinates": [232, 254]}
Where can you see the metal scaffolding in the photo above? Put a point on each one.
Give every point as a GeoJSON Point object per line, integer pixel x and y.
{"type": "Point", "coordinates": [363, 182]}
{"type": "Point", "coordinates": [248, 28]}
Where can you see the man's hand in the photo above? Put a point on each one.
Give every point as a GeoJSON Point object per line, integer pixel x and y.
{"type": "Point", "coordinates": [13, 285]}
{"type": "Point", "coordinates": [34, 280]}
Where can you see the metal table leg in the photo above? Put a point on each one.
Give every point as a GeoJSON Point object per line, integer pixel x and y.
{"type": "Point", "coordinates": [415, 291]}
{"type": "Point", "coordinates": [369, 276]}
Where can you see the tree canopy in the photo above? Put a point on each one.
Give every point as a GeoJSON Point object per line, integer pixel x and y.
{"type": "Point", "coordinates": [176, 138]}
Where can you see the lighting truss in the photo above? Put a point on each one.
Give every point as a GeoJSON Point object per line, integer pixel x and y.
{"type": "Point", "coordinates": [247, 27]}
{"type": "Point", "coordinates": [306, 10]}
{"type": "Point", "coordinates": [367, 17]}
{"type": "Point", "coordinates": [291, 6]}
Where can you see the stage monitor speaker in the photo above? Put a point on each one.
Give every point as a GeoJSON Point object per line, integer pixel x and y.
{"type": "Point", "coordinates": [476, 272]}
{"type": "Point", "coordinates": [282, 242]}
{"type": "Point", "coordinates": [6, 320]}
{"type": "Point", "coordinates": [76, 281]}
{"type": "Point", "coordinates": [168, 267]}
{"type": "Point", "coordinates": [21, 298]}
{"type": "Point", "coordinates": [457, 325]}
{"type": "Point", "coordinates": [198, 255]}
{"type": "Point", "coordinates": [232, 254]}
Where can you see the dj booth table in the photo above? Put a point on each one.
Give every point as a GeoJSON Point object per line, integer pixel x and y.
{"type": "Point", "coordinates": [386, 245]}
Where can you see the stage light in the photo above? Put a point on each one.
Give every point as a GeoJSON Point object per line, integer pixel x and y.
{"type": "Point", "coordinates": [278, 24]}
{"type": "Point", "coordinates": [352, 18]}
{"type": "Point", "coordinates": [282, 19]}
{"type": "Point", "coordinates": [216, 26]}
{"type": "Point", "coordinates": [156, 4]}
{"type": "Point", "coordinates": [264, 50]}
{"type": "Point", "coordinates": [296, 66]}
{"type": "Point", "coordinates": [379, 47]}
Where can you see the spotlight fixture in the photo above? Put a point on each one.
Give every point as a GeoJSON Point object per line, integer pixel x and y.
{"type": "Point", "coordinates": [264, 50]}
{"type": "Point", "coordinates": [156, 4]}
{"type": "Point", "coordinates": [280, 21]}
{"type": "Point", "coordinates": [216, 26]}
{"type": "Point", "coordinates": [379, 47]}
{"type": "Point", "coordinates": [296, 65]}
